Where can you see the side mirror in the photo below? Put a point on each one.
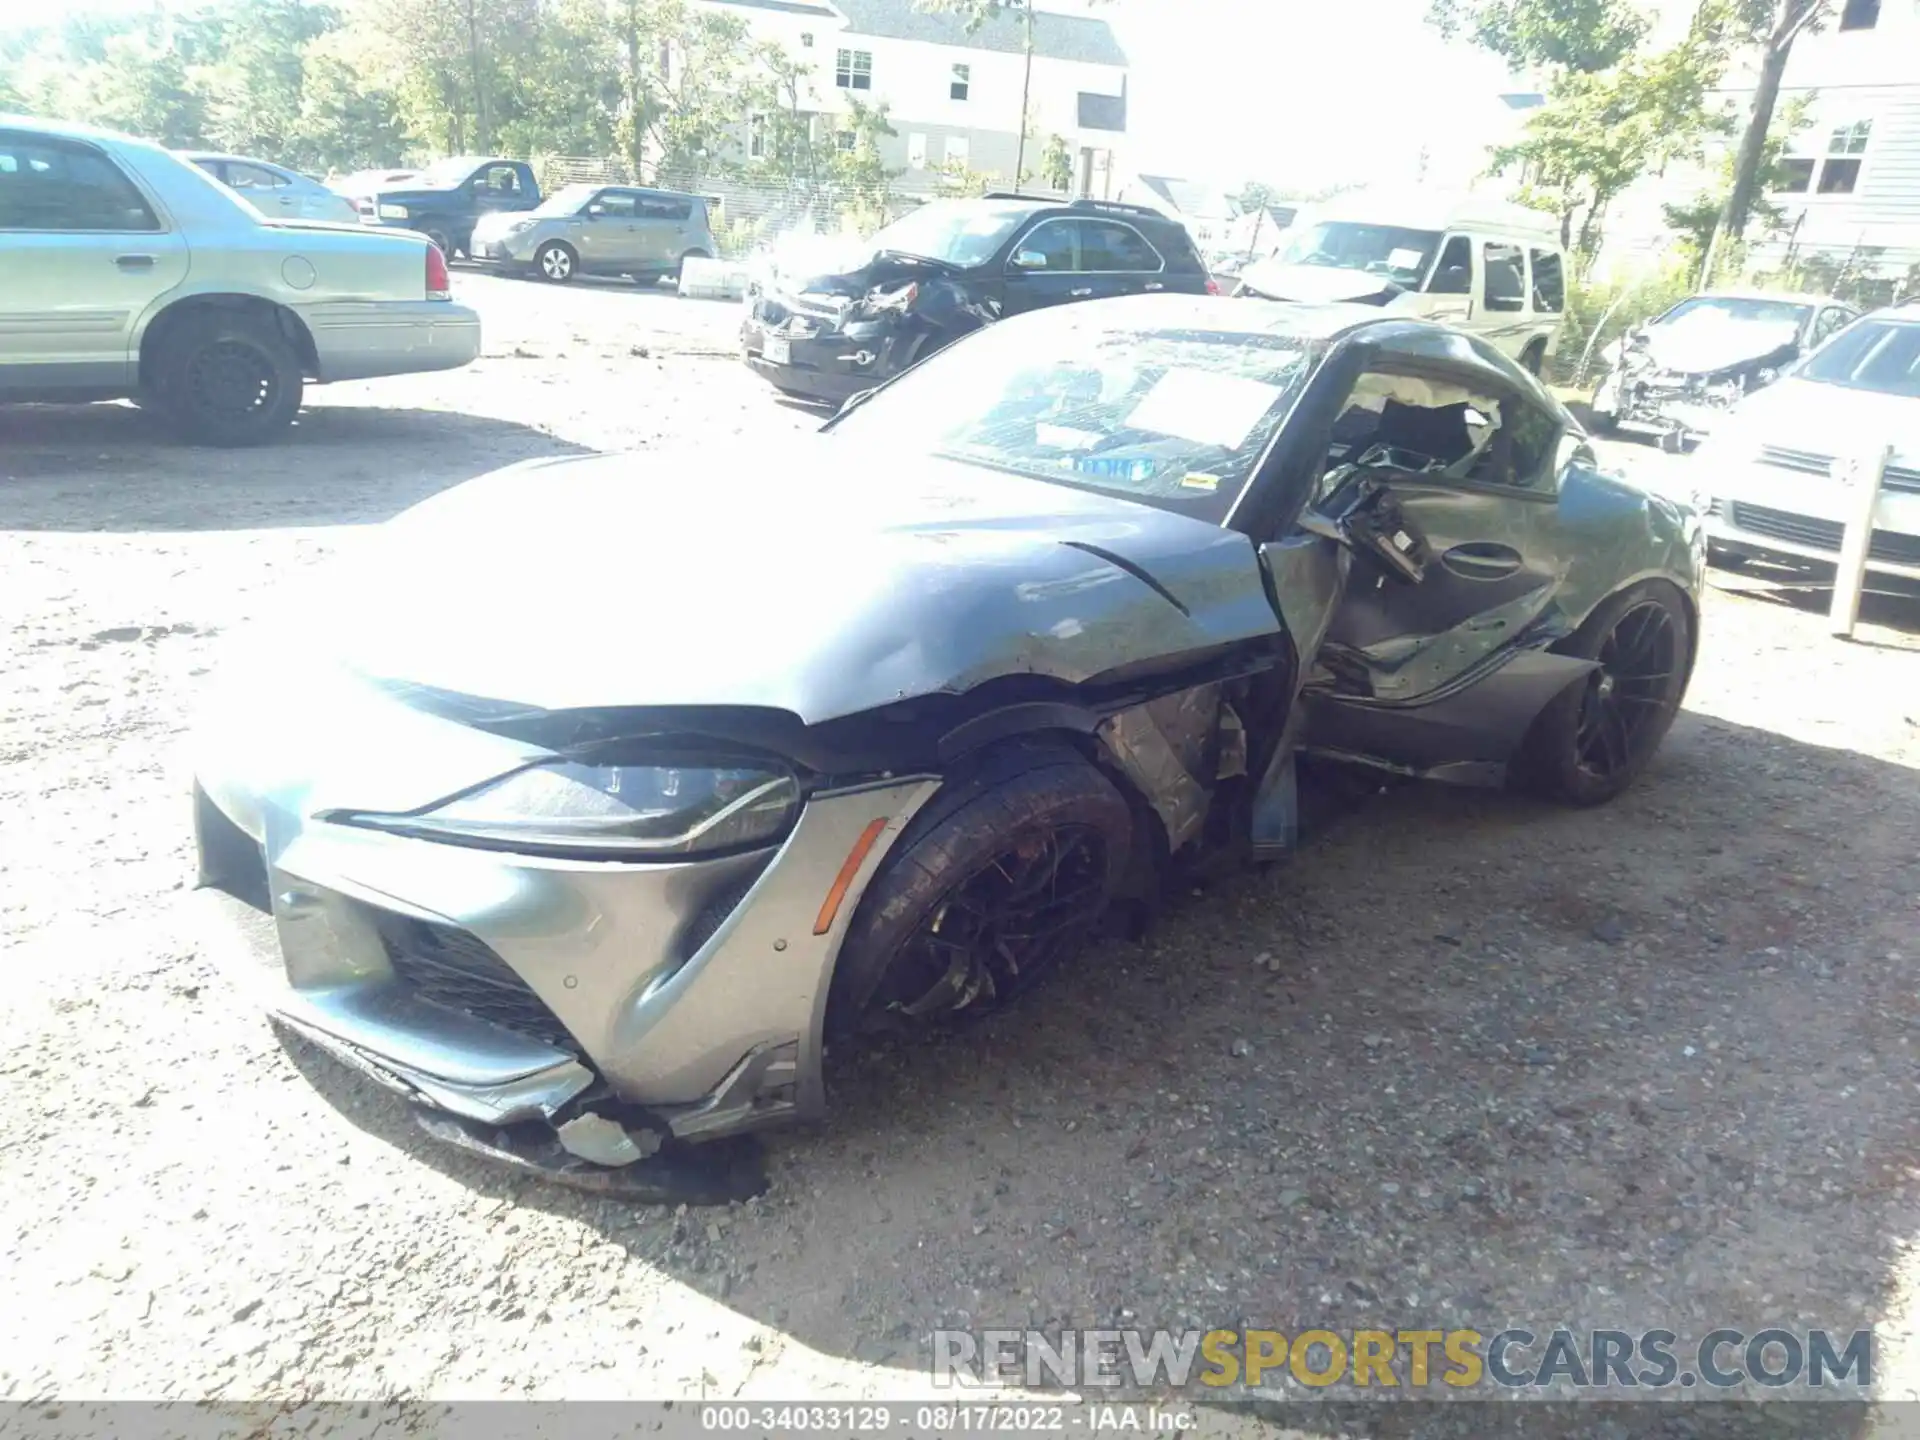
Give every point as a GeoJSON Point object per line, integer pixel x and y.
{"type": "Point", "coordinates": [1325, 526]}
{"type": "Point", "coordinates": [1029, 260]}
{"type": "Point", "coordinates": [1370, 523]}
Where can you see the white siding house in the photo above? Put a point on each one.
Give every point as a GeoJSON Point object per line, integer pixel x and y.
{"type": "Point", "coordinates": [954, 98]}
{"type": "Point", "coordinates": [1852, 192]}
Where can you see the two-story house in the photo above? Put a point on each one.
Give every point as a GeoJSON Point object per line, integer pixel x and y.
{"type": "Point", "coordinates": [953, 98]}
{"type": "Point", "coordinates": [1849, 187]}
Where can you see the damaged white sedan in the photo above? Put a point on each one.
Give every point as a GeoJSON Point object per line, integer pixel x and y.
{"type": "Point", "coordinates": [599, 792]}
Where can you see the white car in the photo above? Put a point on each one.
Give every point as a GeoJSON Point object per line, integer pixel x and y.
{"type": "Point", "coordinates": [275, 191]}
{"type": "Point", "coordinates": [1771, 468]}
{"type": "Point", "coordinates": [127, 272]}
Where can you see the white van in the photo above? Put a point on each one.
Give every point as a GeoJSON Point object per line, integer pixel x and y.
{"type": "Point", "coordinates": [1489, 267]}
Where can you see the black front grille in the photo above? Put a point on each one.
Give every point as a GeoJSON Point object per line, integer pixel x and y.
{"type": "Point", "coordinates": [451, 968]}
{"type": "Point", "coordinates": [1888, 545]}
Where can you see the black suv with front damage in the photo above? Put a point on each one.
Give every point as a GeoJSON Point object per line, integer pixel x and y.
{"type": "Point", "coordinates": [949, 268]}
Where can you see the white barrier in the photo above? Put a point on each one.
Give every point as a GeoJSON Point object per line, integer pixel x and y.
{"type": "Point", "coordinates": [1861, 477]}
{"type": "Point", "coordinates": [713, 279]}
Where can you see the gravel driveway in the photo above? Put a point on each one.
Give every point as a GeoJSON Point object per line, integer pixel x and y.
{"type": "Point", "coordinates": [1466, 1061]}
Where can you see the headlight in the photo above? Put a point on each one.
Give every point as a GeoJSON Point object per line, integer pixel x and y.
{"type": "Point", "coordinates": [520, 227]}
{"type": "Point", "coordinates": [393, 212]}
{"type": "Point", "coordinates": [638, 810]}
{"type": "Point", "coordinates": [898, 300]}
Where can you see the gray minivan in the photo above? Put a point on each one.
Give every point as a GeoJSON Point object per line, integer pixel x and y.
{"type": "Point", "coordinates": [598, 230]}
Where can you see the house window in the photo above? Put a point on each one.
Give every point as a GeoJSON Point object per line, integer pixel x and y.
{"type": "Point", "coordinates": [916, 151]}
{"type": "Point", "coordinates": [1836, 171]}
{"type": "Point", "coordinates": [756, 137]}
{"type": "Point", "coordinates": [806, 39]}
{"type": "Point", "coordinates": [1860, 14]}
{"type": "Point", "coordinates": [853, 69]}
{"type": "Point", "coordinates": [845, 141]}
{"type": "Point", "coordinates": [962, 83]}
{"type": "Point", "coordinates": [959, 150]}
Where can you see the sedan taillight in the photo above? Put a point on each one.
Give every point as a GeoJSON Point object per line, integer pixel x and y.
{"type": "Point", "coordinates": [1213, 286]}
{"type": "Point", "coordinates": [439, 282]}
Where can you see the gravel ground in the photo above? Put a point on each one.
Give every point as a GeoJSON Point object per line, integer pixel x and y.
{"type": "Point", "coordinates": [1466, 1061]}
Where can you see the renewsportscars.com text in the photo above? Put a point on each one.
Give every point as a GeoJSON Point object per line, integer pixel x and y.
{"type": "Point", "coordinates": [1513, 1359]}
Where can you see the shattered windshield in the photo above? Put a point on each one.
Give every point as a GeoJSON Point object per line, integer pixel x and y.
{"type": "Point", "coordinates": [1176, 419]}
{"type": "Point", "coordinates": [1400, 254]}
{"type": "Point", "coordinates": [1881, 355]}
{"type": "Point", "coordinates": [963, 233]}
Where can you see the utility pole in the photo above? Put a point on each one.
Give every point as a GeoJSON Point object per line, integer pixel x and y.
{"type": "Point", "coordinates": [1026, 89]}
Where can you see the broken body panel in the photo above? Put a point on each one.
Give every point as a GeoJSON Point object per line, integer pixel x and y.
{"type": "Point", "coordinates": [873, 627]}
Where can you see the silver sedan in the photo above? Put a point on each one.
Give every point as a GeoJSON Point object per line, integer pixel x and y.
{"type": "Point", "coordinates": [275, 191]}
{"type": "Point", "coordinates": [132, 273]}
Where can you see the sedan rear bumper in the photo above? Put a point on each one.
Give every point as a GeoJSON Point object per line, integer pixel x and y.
{"type": "Point", "coordinates": [359, 340]}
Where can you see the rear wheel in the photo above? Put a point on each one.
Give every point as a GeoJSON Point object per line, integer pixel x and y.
{"type": "Point", "coordinates": [1003, 876]}
{"type": "Point", "coordinates": [555, 262]}
{"type": "Point", "coordinates": [1595, 737]}
{"type": "Point", "coordinates": [227, 378]}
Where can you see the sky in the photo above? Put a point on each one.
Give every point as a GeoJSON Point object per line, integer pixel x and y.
{"type": "Point", "coordinates": [1304, 94]}
{"type": "Point", "coordinates": [1301, 93]}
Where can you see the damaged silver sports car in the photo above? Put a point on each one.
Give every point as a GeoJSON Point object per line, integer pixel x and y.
{"type": "Point", "coordinates": [595, 795]}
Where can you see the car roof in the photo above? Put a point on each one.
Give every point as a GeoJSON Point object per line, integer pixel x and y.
{"type": "Point", "coordinates": [199, 155]}
{"type": "Point", "coordinates": [72, 130]}
{"type": "Point", "coordinates": [1424, 209]}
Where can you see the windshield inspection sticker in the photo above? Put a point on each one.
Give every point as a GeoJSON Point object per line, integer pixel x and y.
{"type": "Point", "coordinates": [1204, 407]}
{"type": "Point", "coordinates": [1195, 480]}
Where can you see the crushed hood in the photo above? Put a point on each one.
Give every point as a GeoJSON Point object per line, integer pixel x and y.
{"type": "Point", "coordinates": [1711, 343]}
{"type": "Point", "coordinates": [819, 578]}
{"type": "Point", "coordinates": [1316, 284]}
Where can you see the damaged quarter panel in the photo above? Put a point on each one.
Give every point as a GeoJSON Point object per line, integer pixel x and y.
{"type": "Point", "coordinates": [788, 582]}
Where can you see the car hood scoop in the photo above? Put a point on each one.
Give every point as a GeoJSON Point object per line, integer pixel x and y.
{"type": "Point", "coordinates": [823, 578]}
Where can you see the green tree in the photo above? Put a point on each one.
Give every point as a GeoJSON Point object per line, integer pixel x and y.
{"type": "Point", "coordinates": [1696, 220]}
{"type": "Point", "coordinates": [1056, 165]}
{"type": "Point", "coordinates": [1601, 130]}
{"type": "Point", "coordinates": [1577, 35]}
{"type": "Point", "coordinates": [1772, 26]}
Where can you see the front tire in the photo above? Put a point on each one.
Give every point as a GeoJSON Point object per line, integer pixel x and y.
{"type": "Point", "coordinates": [442, 240]}
{"type": "Point", "coordinates": [555, 262]}
{"type": "Point", "coordinates": [1595, 738]}
{"type": "Point", "coordinates": [1003, 876]}
{"type": "Point", "coordinates": [228, 379]}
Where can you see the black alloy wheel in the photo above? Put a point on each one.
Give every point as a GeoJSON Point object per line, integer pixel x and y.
{"type": "Point", "coordinates": [1024, 911]}
{"type": "Point", "coordinates": [1596, 736]}
{"type": "Point", "coordinates": [1630, 698]}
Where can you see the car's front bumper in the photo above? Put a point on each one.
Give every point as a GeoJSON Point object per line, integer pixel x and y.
{"type": "Point", "coordinates": [1761, 509]}
{"type": "Point", "coordinates": [358, 340]}
{"type": "Point", "coordinates": [819, 359]}
{"type": "Point", "coordinates": [505, 988]}
{"type": "Point", "coordinates": [511, 252]}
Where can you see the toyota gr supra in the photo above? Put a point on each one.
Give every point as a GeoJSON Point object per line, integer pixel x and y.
{"type": "Point", "coordinates": [594, 796]}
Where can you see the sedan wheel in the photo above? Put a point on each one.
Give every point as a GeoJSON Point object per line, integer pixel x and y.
{"type": "Point", "coordinates": [555, 263]}
{"type": "Point", "coordinates": [226, 379]}
{"type": "Point", "coordinates": [1595, 738]}
{"type": "Point", "coordinates": [1001, 879]}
